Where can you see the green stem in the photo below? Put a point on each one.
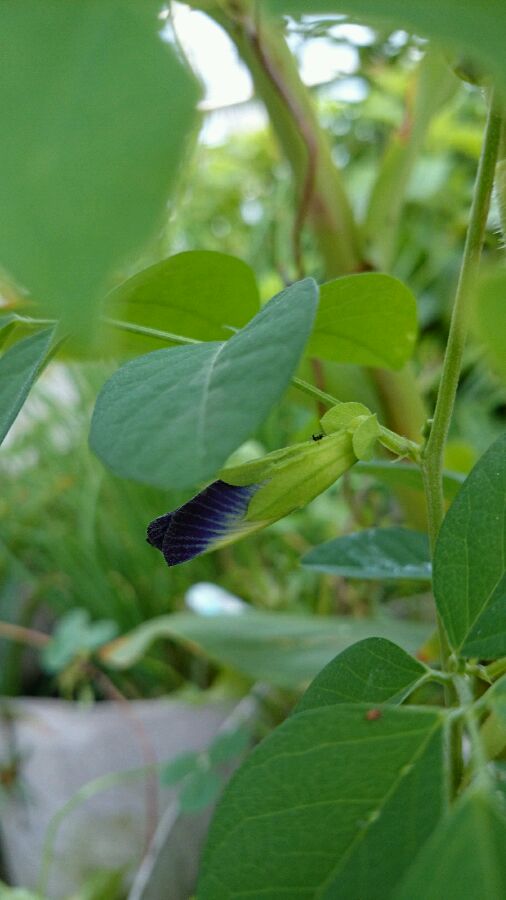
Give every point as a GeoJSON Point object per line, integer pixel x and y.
{"type": "Point", "coordinates": [495, 669]}
{"type": "Point", "coordinates": [149, 332]}
{"type": "Point", "coordinates": [315, 392]}
{"type": "Point", "coordinates": [433, 454]}
{"type": "Point", "coordinates": [399, 445]}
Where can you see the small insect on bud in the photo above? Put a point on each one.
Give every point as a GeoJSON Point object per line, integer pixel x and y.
{"type": "Point", "coordinates": [373, 714]}
{"type": "Point", "coordinates": [318, 437]}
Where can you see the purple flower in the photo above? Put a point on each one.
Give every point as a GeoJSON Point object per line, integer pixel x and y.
{"type": "Point", "coordinates": [209, 520]}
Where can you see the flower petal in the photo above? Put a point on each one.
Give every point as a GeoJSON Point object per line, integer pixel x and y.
{"type": "Point", "coordinates": [211, 519]}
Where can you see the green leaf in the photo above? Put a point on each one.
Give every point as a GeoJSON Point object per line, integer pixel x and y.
{"type": "Point", "coordinates": [404, 474]}
{"type": "Point", "coordinates": [490, 317]}
{"type": "Point", "coordinates": [372, 671]}
{"type": "Point", "coordinates": [198, 294]}
{"type": "Point", "coordinates": [375, 553]}
{"type": "Point", "coordinates": [74, 635]}
{"type": "Point", "coordinates": [201, 789]}
{"type": "Point", "coordinates": [477, 28]}
{"type": "Point", "coordinates": [368, 319]}
{"type": "Point", "coordinates": [331, 804]}
{"type": "Point", "coordinates": [19, 369]}
{"type": "Point", "coordinates": [99, 110]}
{"type": "Point", "coordinates": [465, 855]}
{"type": "Point", "coordinates": [229, 745]}
{"type": "Point", "coordinates": [286, 650]}
{"type": "Point", "coordinates": [178, 768]}
{"type": "Point", "coordinates": [470, 560]}
{"type": "Point", "coordinates": [172, 417]}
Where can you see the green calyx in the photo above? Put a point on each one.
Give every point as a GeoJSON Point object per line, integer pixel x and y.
{"type": "Point", "coordinates": [292, 477]}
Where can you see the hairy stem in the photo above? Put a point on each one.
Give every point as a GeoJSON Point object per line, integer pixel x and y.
{"type": "Point", "coordinates": [433, 453]}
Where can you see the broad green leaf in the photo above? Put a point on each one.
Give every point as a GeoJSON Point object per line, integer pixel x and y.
{"type": "Point", "coordinates": [372, 671]}
{"type": "Point", "coordinates": [404, 474]}
{"type": "Point", "coordinates": [19, 369]}
{"type": "Point", "coordinates": [375, 553]}
{"type": "Point", "coordinates": [470, 560]}
{"type": "Point", "coordinates": [464, 857]}
{"type": "Point", "coordinates": [172, 417]}
{"type": "Point", "coordinates": [331, 804]}
{"type": "Point", "coordinates": [198, 294]}
{"type": "Point", "coordinates": [490, 317]}
{"type": "Point", "coordinates": [286, 650]}
{"type": "Point", "coordinates": [476, 28]}
{"type": "Point", "coordinates": [368, 319]}
{"type": "Point", "coordinates": [98, 110]}
{"type": "Point", "coordinates": [200, 789]}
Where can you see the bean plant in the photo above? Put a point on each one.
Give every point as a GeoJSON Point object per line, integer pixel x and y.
{"type": "Point", "coordinates": [373, 787]}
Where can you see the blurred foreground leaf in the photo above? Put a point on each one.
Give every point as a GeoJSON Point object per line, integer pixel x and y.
{"type": "Point", "coordinates": [96, 112]}
{"type": "Point", "coordinates": [476, 28]}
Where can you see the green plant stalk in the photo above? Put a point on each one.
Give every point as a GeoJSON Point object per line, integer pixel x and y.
{"type": "Point", "coordinates": [433, 453]}
{"type": "Point", "coordinates": [149, 332]}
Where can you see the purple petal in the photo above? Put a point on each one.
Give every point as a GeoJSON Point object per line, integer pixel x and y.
{"type": "Point", "coordinates": [202, 523]}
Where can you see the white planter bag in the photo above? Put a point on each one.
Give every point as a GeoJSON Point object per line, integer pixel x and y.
{"type": "Point", "coordinates": [64, 746]}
